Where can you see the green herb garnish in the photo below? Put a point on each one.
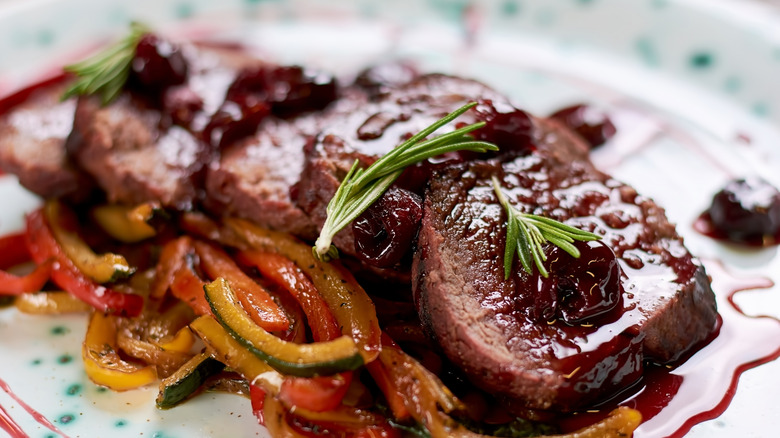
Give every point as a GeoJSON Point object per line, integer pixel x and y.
{"type": "Point", "coordinates": [362, 187]}
{"type": "Point", "coordinates": [526, 233]}
{"type": "Point", "coordinates": [106, 72]}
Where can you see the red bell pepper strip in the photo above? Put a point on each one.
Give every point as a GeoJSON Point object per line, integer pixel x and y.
{"type": "Point", "coordinates": [43, 246]}
{"type": "Point", "coordinates": [11, 284]}
{"type": "Point", "coordinates": [285, 273]}
{"type": "Point", "coordinates": [257, 302]}
{"type": "Point", "coordinates": [317, 394]}
{"type": "Point", "coordinates": [257, 396]}
{"type": "Point", "coordinates": [188, 287]}
{"type": "Point", "coordinates": [13, 250]}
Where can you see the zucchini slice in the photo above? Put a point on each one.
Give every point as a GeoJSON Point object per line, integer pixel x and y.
{"type": "Point", "coordinates": [303, 360]}
{"type": "Point", "coordinates": [186, 380]}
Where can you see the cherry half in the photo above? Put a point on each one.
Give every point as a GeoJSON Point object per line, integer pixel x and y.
{"type": "Point", "coordinates": [746, 210]}
{"type": "Point", "coordinates": [578, 290]}
{"type": "Point", "coordinates": [385, 232]}
{"type": "Point", "coordinates": [590, 123]}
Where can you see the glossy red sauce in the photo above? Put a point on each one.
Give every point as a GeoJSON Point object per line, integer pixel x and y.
{"type": "Point", "coordinates": [672, 401]}
{"type": "Point", "coordinates": [11, 427]}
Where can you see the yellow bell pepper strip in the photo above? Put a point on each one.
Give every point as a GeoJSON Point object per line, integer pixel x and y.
{"type": "Point", "coordinates": [181, 342]}
{"type": "Point", "coordinates": [43, 246]}
{"type": "Point", "coordinates": [351, 306]}
{"type": "Point", "coordinates": [303, 360]}
{"type": "Point", "coordinates": [253, 297]}
{"type": "Point", "coordinates": [101, 358]}
{"type": "Point", "coordinates": [127, 224]}
{"type": "Point", "coordinates": [50, 303]}
{"type": "Point", "coordinates": [104, 268]}
{"type": "Point", "coordinates": [165, 362]}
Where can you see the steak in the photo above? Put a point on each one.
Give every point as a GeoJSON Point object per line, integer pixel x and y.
{"type": "Point", "coordinates": [133, 150]}
{"type": "Point", "coordinates": [491, 326]}
{"type": "Point", "coordinates": [134, 160]}
{"type": "Point", "coordinates": [32, 142]}
{"type": "Point", "coordinates": [257, 177]}
{"type": "Point", "coordinates": [375, 129]}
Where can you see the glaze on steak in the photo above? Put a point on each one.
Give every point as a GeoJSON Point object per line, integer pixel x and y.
{"type": "Point", "coordinates": [257, 177]}
{"type": "Point", "coordinates": [375, 129]}
{"type": "Point", "coordinates": [487, 325]}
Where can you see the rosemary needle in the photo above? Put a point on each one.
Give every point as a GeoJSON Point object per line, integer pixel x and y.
{"type": "Point", "coordinates": [527, 233]}
{"type": "Point", "coordinates": [362, 187]}
{"type": "Point", "coordinates": [106, 72]}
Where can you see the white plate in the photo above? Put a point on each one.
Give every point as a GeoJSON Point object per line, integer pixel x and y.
{"type": "Point", "coordinates": [690, 81]}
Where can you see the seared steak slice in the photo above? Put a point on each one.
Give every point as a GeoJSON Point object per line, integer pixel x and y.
{"type": "Point", "coordinates": [377, 127]}
{"type": "Point", "coordinates": [132, 159]}
{"type": "Point", "coordinates": [32, 143]}
{"type": "Point", "coordinates": [256, 177]}
{"type": "Point", "coordinates": [133, 150]}
{"type": "Point", "coordinates": [490, 327]}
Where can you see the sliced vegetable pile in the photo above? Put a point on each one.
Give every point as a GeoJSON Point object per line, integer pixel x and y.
{"type": "Point", "coordinates": [193, 304]}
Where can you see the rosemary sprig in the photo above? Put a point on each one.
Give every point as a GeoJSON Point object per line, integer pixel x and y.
{"type": "Point", "coordinates": [362, 187]}
{"type": "Point", "coordinates": [526, 233]}
{"type": "Point", "coordinates": [106, 72]}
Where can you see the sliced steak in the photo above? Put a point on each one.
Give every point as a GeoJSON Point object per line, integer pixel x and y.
{"type": "Point", "coordinates": [505, 334]}
{"type": "Point", "coordinates": [133, 150]}
{"type": "Point", "coordinates": [132, 159]}
{"type": "Point", "coordinates": [375, 129]}
{"type": "Point", "coordinates": [256, 178]}
{"type": "Point", "coordinates": [32, 142]}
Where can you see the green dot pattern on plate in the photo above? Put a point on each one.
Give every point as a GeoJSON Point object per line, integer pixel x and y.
{"type": "Point", "coordinates": [702, 60]}
{"type": "Point", "coordinates": [66, 418]}
{"type": "Point", "coordinates": [73, 389]}
{"type": "Point", "coordinates": [36, 362]}
{"type": "Point", "coordinates": [120, 423]}
{"type": "Point", "coordinates": [65, 359]}
{"type": "Point", "coordinates": [647, 51]}
{"type": "Point", "coordinates": [59, 330]}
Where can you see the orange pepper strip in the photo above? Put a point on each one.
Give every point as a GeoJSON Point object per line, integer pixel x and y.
{"type": "Point", "coordinates": [285, 273]}
{"type": "Point", "coordinates": [188, 287]}
{"type": "Point", "coordinates": [173, 257]}
{"type": "Point", "coordinates": [257, 302]}
{"type": "Point", "coordinates": [43, 246]}
{"type": "Point", "coordinates": [351, 306]}
{"type": "Point", "coordinates": [11, 284]}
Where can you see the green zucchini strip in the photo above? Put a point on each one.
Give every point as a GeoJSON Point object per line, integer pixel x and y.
{"type": "Point", "coordinates": [302, 360]}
